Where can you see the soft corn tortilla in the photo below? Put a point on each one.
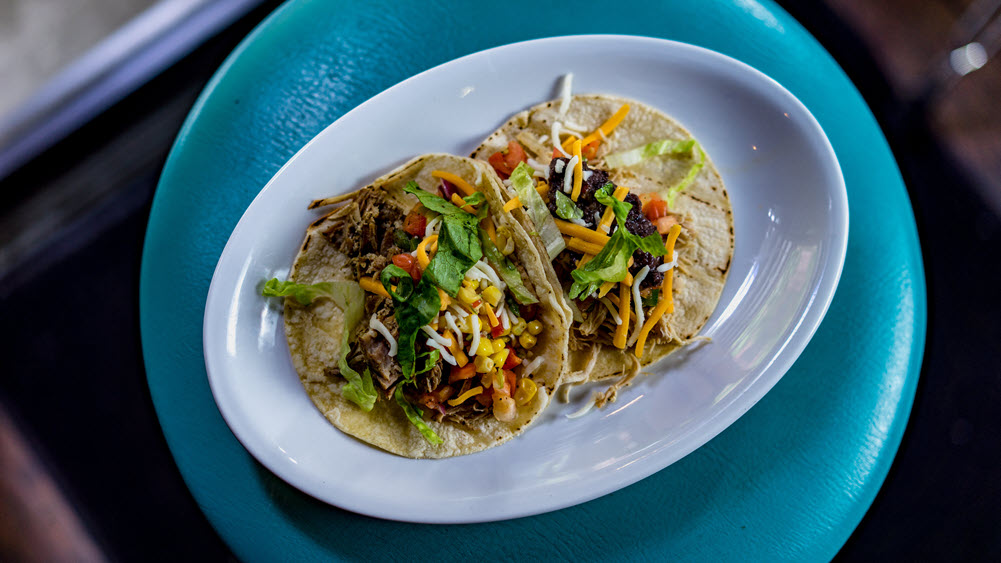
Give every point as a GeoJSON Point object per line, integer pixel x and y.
{"type": "Point", "coordinates": [314, 332]}
{"type": "Point", "coordinates": [705, 246]}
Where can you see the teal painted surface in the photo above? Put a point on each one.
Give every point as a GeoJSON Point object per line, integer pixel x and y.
{"type": "Point", "coordinates": [790, 480]}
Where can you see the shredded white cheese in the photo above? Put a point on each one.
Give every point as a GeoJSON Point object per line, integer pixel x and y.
{"type": "Point", "coordinates": [583, 410]}
{"type": "Point", "coordinates": [479, 176]}
{"type": "Point", "coordinates": [577, 130]}
{"type": "Point", "coordinates": [543, 139]}
{"type": "Point", "coordinates": [558, 167]}
{"type": "Point", "coordinates": [489, 272]}
{"type": "Point", "coordinates": [444, 351]}
{"type": "Point", "coordinates": [668, 265]}
{"type": "Point", "coordinates": [433, 226]}
{"type": "Point", "coordinates": [556, 137]}
{"type": "Point", "coordinates": [611, 309]}
{"type": "Point", "coordinates": [530, 367]}
{"type": "Point", "coordinates": [435, 336]}
{"type": "Point", "coordinates": [450, 323]}
{"type": "Point", "coordinates": [377, 325]}
{"type": "Point", "coordinates": [638, 303]}
{"type": "Point", "coordinates": [459, 311]}
{"type": "Point", "coordinates": [565, 93]}
{"type": "Point", "coordinates": [586, 175]}
{"type": "Point", "coordinates": [580, 222]}
{"type": "Point", "coordinates": [568, 177]}
{"type": "Point", "coordinates": [540, 169]}
{"type": "Point", "coordinates": [505, 319]}
{"type": "Point", "coordinates": [475, 343]}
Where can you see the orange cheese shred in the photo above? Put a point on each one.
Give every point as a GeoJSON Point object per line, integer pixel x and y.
{"type": "Point", "coordinates": [422, 251]}
{"type": "Point", "coordinates": [608, 126]}
{"type": "Point", "coordinates": [573, 230]}
{"type": "Point", "coordinates": [666, 303]}
{"type": "Point", "coordinates": [578, 171]}
{"type": "Point", "coordinates": [372, 286]}
{"type": "Point", "coordinates": [512, 203]}
{"type": "Point", "coordinates": [457, 181]}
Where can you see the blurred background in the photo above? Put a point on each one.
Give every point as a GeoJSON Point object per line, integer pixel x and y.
{"type": "Point", "coordinates": [92, 95]}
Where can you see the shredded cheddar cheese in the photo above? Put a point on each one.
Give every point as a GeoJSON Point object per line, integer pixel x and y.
{"type": "Point", "coordinates": [373, 286]}
{"type": "Point", "coordinates": [462, 398]}
{"type": "Point", "coordinates": [578, 245]}
{"type": "Point", "coordinates": [461, 203]}
{"type": "Point", "coordinates": [572, 230]}
{"type": "Point", "coordinates": [490, 315]}
{"type": "Point", "coordinates": [422, 252]}
{"type": "Point", "coordinates": [488, 225]}
{"type": "Point", "coordinates": [452, 178]}
{"type": "Point", "coordinates": [512, 203]}
{"type": "Point", "coordinates": [666, 303]}
{"type": "Point", "coordinates": [578, 173]}
{"type": "Point", "coordinates": [607, 127]}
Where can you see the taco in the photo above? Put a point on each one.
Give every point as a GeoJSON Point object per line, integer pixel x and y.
{"type": "Point", "coordinates": [414, 315]}
{"type": "Point", "coordinates": [576, 172]}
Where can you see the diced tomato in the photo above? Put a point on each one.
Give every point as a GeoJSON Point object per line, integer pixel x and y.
{"type": "Point", "coordinates": [408, 263]}
{"type": "Point", "coordinates": [665, 223]}
{"type": "Point", "coordinates": [505, 161]}
{"type": "Point", "coordinates": [486, 398]}
{"type": "Point", "coordinates": [415, 224]}
{"type": "Point", "coordinates": [655, 209]}
{"type": "Point", "coordinates": [557, 153]}
{"type": "Point", "coordinates": [512, 360]}
{"type": "Point", "coordinates": [529, 312]}
{"type": "Point", "coordinates": [497, 331]}
{"type": "Point", "coordinates": [465, 372]}
{"type": "Point", "coordinates": [590, 150]}
{"type": "Point", "coordinates": [497, 161]}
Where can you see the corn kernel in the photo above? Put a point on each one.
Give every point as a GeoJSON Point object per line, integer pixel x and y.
{"type": "Point", "coordinates": [534, 328]}
{"type": "Point", "coordinates": [484, 284]}
{"type": "Point", "coordinates": [485, 348]}
{"type": "Point", "coordinates": [483, 364]}
{"type": "Point", "coordinates": [471, 284]}
{"type": "Point", "coordinates": [527, 340]}
{"type": "Point", "coordinates": [493, 295]}
{"type": "Point", "coordinates": [500, 358]}
{"type": "Point", "coordinates": [467, 295]}
{"type": "Point", "coordinates": [518, 327]}
{"type": "Point", "coordinates": [499, 345]}
{"type": "Point", "coordinates": [526, 390]}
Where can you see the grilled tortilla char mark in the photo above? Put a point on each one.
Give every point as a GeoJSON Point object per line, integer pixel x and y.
{"type": "Point", "coordinates": [636, 222]}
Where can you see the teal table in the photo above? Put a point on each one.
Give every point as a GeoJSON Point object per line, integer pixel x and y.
{"type": "Point", "coordinates": [790, 480]}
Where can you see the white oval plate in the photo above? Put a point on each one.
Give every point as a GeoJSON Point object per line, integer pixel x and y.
{"type": "Point", "coordinates": [791, 218]}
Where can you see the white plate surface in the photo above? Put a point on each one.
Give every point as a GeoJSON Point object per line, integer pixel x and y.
{"type": "Point", "coordinates": [791, 218]}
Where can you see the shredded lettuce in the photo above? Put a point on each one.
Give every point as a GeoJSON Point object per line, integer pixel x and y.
{"type": "Point", "coordinates": [658, 148]}
{"type": "Point", "coordinates": [612, 263]}
{"type": "Point", "coordinates": [521, 181]}
{"type": "Point", "coordinates": [566, 208]}
{"type": "Point", "coordinates": [506, 270]}
{"type": "Point", "coordinates": [649, 150]}
{"type": "Point", "coordinates": [350, 298]}
{"type": "Point", "coordinates": [415, 418]}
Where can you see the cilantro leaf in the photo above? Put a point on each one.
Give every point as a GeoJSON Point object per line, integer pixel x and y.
{"type": "Point", "coordinates": [651, 300]}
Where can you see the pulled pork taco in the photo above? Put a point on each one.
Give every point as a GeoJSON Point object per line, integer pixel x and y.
{"type": "Point", "coordinates": [633, 217]}
{"type": "Point", "coordinates": [415, 316]}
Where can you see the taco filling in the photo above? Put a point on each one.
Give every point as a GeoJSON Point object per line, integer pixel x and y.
{"type": "Point", "coordinates": [443, 322]}
{"type": "Point", "coordinates": [634, 219]}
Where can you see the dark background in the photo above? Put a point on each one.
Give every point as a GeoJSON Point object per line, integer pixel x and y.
{"type": "Point", "coordinates": [74, 396]}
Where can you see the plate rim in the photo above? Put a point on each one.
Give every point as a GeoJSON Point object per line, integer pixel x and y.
{"type": "Point", "coordinates": [810, 319]}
